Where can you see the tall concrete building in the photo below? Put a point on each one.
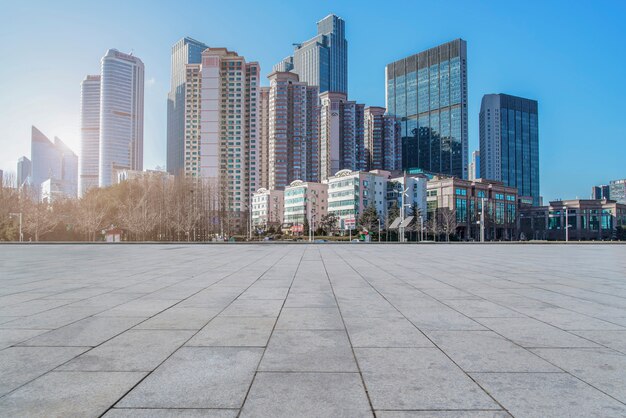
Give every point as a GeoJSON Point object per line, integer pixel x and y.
{"type": "Point", "coordinates": [427, 92]}
{"type": "Point", "coordinates": [229, 126]}
{"type": "Point", "coordinates": [322, 60]}
{"type": "Point", "coordinates": [89, 133]}
{"type": "Point", "coordinates": [601, 192]}
{"type": "Point", "coordinates": [121, 115]}
{"type": "Point", "coordinates": [341, 134]}
{"type": "Point", "coordinates": [53, 160]}
{"type": "Point", "coordinates": [264, 137]}
{"type": "Point", "coordinates": [293, 130]}
{"type": "Point", "coordinates": [24, 170]}
{"type": "Point", "coordinates": [473, 171]}
{"type": "Point", "coordinates": [618, 190]}
{"type": "Point", "coordinates": [185, 51]}
{"type": "Point", "coordinates": [383, 144]}
{"type": "Point", "coordinates": [509, 143]}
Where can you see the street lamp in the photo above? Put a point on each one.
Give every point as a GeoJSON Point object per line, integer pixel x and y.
{"type": "Point", "coordinates": [421, 228]}
{"type": "Point", "coordinates": [20, 217]}
{"type": "Point", "coordinates": [567, 225]}
{"type": "Point", "coordinates": [379, 230]}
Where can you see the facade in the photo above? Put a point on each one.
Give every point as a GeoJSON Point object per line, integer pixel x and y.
{"type": "Point", "coordinates": [427, 93]}
{"type": "Point", "coordinates": [587, 219]}
{"type": "Point", "coordinates": [458, 203]}
{"type": "Point", "coordinates": [351, 192]}
{"type": "Point", "coordinates": [293, 130]}
{"type": "Point", "coordinates": [618, 190]}
{"type": "Point", "coordinates": [264, 137]}
{"type": "Point", "coordinates": [342, 145]}
{"type": "Point", "coordinates": [415, 194]}
{"type": "Point", "coordinates": [600, 192]}
{"type": "Point", "coordinates": [191, 122]}
{"type": "Point", "coordinates": [121, 115]}
{"type": "Point", "coordinates": [229, 128]}
{"type": "Point", "coordinates": [185, 51]}
{"type": "Point", "coordinates": [304, 200]}
{"type": "Point", "coordinates": [125, 175]}
{"type": "Point", "coordinates": [52, 160]}
{"type": "Point", "coordinates": [509, 143]}
{"type": "Point", "coordinates": [89, 133]}
{"type": "Point", "coordinates": [473, 171]}
{"type": "Point", "coordinates": [267, 208]}
{"type": "Point", "coordinates": [382, 141]}
{"type": "Point", "coordinates": [24, 170]}
{"type": "Point", "coordinates": [323, 60]}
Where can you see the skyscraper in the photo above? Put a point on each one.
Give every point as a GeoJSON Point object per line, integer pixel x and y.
{"type": "Point", "coordinates": [89, 133]}
{"type": "Point", "coordinates": [509, 143]}
{"type": "Point", "coordinates": [427, 92]}
{"type": "Point", "coordinates": [24, 170]}
{"type": "Point", "coordinates": [618, 190]}
{"type": "Point", "coordinates": [293, 130]}
{"type": "Point", "coordinates": [264, 137]}
{"type": "Point", "coordinates": [185, 51]}
{"type": "Point", "coordinates": [601, 192]}
{"type": "Point", "coordinates": [341, 134]}
{"type": "Point", "coordinates": [121, 115]}
{"type": "Point", "coordinates": [52, 161]}
{"type": "Point", "coordinates": [322, 60]}
{"type": "Point", "coordinates": [383, 145]}
{"type": "Point", "coordinates": [473, 171]}
{"type": "Point", "coordinates": [229, 126]}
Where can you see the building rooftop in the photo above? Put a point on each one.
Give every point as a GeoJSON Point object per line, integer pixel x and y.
{"type": "Point", "coordinates": [313, 330]}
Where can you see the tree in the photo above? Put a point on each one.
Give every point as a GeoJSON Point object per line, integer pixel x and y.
{"type": "Point", "coordinates": [38, 218]}
{"type": "Point", "coordinates": [369, 219]}
{"type": "Point", "coordinates": [91, 212]}
{"type": "Point", "coordinates": [328, 223]}
{"type": "Point", "coordinates": [433, 227]}
{"type": "Point", "coordinates": [416, 212]}
{"type": "Point", "coordinates": [448, 222]}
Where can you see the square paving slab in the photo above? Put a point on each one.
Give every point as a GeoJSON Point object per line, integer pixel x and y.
{"type": "Point", "coordinates": [308, 330]}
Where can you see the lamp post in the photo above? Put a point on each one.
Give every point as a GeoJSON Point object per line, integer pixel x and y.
{"type": "Point", "coordinates": [421, 228]}
{"type": "Point", "coordinates": [482, 219]}
{"type": "Point", "coordinates": [400, 227]}
{"type": "Point", "coordinates": [19, 215]}
{"type": "Point", "coordinates": [379, 230]}
{"type": "Point", "coordinates": [566, 224]}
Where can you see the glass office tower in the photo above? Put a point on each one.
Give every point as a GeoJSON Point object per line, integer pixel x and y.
{"type": "Point", "coordinates": [322, 60]}
{"type": "Point", "coordinates": [427, 93]}
{"type": "Point", "coordinates": [509, 143]}
{"type": "Point", "coordinates": [185, 51]}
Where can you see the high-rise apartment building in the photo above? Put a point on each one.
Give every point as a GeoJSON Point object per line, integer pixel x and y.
{"type": "Point", "coordinates": [53, 160]}
{"type": "Point", "coordinates": [121, 115]}
{"type": "Point", "coordinates": [383, 145]}
{"type": "Point", "coordinates": [185, 51]}
{"type": "Point", "coordinates": [473, 171]}
{"type": "Point", "coordinates": [341, 134]}
{"type": "Point", "coordinates": [509, 143]}
{"type": "Point", "coordinates": [229, 126]}
{"type": "Point", "coordinates": [322, 60]}
{"type": "Point", "coordinates": [89, 133]}
{"type": "Point", "coordinates": [618, 190]}
{"type": "Point", "coordinates": [293, 130]}
{"type": "Point", "coordinates": [24, 170]}
{"type": "Point", "coordinates": [427, 92]}
{"type": "Point", "coordinates": [264, 137]}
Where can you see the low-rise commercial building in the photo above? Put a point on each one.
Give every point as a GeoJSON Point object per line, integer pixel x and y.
{"type": "Point", "coordinates": [455, 205]}
{"type": "Point", "coordinates": [588, 219]}
{"type": "Point", "coordinates": [267, 208]}
{"type": "Point", "coordinates": [351, 192]}
{"type": "Point", "coordinates": [304, 200]}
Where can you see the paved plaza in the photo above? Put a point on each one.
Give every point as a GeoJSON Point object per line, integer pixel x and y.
{"type": "Point", "coordinates": [279, 330]}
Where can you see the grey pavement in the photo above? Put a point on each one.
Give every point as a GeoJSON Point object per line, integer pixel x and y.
{"type": "Point", "coordinates": [297, 330]}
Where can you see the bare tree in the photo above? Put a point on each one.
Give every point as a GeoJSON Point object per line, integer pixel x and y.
{"type": "Point", "coordinates": [91, 213]}
{"type": "Point", "coordinates": [448, 222]}
{"type": "Point", "coordinates": [38, 218]}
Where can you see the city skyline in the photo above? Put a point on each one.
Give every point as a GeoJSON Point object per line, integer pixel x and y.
{"type": "Point", "coordinates": [567, 170]}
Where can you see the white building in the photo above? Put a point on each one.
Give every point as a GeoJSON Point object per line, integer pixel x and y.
{"type": "Point", "coordinates": [121, 115]}
{"type": "Point", "coordinates": [55, 161]}
{"type": "Point", "coordinates": [304, 200]}
{"type": "Point", "coordinates": [267, 207]}
{"type": "Point", "coordinates": [351, 192]}
{"type": "Point", "coordinates": [226, 150]}
{"type": "Point", "coordinates": [415, 187]}
{"type": "Point", "coordinates": [89, 133]}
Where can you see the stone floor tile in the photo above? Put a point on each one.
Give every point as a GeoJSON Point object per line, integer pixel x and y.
{"type": "Point", "coordinates": [310, 318]}
{"type": "Point", "coordinates": [231, 331]}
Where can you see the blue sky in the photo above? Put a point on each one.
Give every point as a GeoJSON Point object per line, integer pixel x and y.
{"type": "Point", "coordinates": [567, 55]}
